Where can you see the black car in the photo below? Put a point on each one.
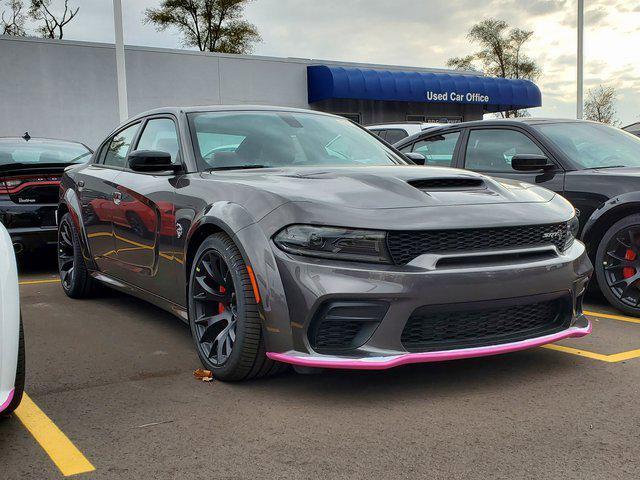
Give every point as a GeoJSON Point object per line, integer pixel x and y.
{"type": "Point", "coordinates": [293, 236]}
{"type": "Point", "coordinates": [30, 172]}
{"type": "Point", "coordinates": [596, 167]}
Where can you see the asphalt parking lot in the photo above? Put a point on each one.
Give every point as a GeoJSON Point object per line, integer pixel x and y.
{"type": "Point", "coordinates": [111, 393]}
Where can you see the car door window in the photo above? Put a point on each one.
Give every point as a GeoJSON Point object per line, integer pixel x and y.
{"type": "Point", "coordinates": [395, 135]}
{"type": "Point", "coordinates": [119, 146]}
{"type": "Point", "coordinates": [378, 132]}
{"type": "Point", "coordinates": [491, 150]}
{"type": "Point", "coordinates": [407, 148]}
{"type": "Point", "coordinates": [160, 134]}
{"type": "Point", "coordinates": [438, 150]}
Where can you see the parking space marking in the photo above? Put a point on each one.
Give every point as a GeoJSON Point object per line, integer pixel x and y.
{"type": "Point", "coordinates": [613, 317]}
{"type": "Point", "coordinates": [613, 358]}
{"type": "Point", "coordinates": [65, 455]}
{"type": "Point", "coordinates": [36, 282]}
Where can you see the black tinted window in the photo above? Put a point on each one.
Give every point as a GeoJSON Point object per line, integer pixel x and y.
{"type": "Point", "coordinates": [395, 135]}
{"type": "Point", "coordinates": [119, 146]}
{"type": "Point", "coordinates": [491, 150]}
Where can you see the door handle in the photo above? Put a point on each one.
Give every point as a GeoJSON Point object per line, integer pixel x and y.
{"type": "Point", "coordinates": [117, 198]}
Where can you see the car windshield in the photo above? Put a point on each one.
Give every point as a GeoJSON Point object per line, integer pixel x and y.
{"type": "Point", "coordinates": [283, 139]}
{"type": "Point", "coordinates": [593, 145]}
{"type": "Point", "coordinates": [37, 151]}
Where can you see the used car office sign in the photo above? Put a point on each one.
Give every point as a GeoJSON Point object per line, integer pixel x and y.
{"type": "Point", "coordinates": [455, 97]}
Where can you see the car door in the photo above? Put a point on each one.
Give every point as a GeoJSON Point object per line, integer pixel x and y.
{"type": "Point", "coordinates": [439, 150]}
{"type": "Point", "coordinates": [489, 150]}
{"type": "Point", "coordinates": [96, 189]}
{"type": "Point", "coordinates": [144, 218]}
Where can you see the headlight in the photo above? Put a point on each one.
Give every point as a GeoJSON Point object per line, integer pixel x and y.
{"type": "Point", "coordinates": [333, 242]}
{"type": "Point", "coordinates": [573, 226]}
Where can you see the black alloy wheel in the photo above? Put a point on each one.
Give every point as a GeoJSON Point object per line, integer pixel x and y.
{"type": "Point", "coordinates": [223, 313]}
{"type": "Point", "coordinates": [74, 276]}
{"type": "Point", "coordinates": [215, 307]}
{"type": "Point", "coordinates": [618, 265]}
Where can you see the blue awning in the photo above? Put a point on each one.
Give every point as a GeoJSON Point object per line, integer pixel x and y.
{"type": "Point", "coordinates": [495, 94]}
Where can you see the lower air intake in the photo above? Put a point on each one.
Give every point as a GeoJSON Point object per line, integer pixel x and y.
{"type": "Point", "coordinates": [430, 328]}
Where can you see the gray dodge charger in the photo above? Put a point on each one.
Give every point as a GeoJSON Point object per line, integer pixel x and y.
{"type": "Point", "coordinates": [285, 236]}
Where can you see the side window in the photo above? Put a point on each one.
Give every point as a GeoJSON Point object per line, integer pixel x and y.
{"type": "Point", "coordinates": [160, 134]}
{"type": "Point", "coordinates": [395, 135]}
{"type": "Point", "coordinates": [378, 132]}
{"type": "Point", "coordinates": [119, 146]}
{"type": "Point", "coordinates": [491, 150]}
{"type": "Point", "coordinates": [407, 148]}
{"type": "Point", "coordinates": [438, 150]}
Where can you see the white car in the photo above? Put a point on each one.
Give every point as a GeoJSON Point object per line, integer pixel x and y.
{"type": "Point", "coordinates": [394, 132]}
{"type": "Point", "coordinates": [11, 335]}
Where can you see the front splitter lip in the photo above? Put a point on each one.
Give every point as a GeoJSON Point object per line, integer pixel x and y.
{"type": "Point", "coordinates": [7, 402]}
{"type": "Point", "coordinates": [385, 362]}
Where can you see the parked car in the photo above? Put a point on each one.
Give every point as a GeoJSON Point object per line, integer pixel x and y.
{"type": "Point", "coordinates": [313, 243]}
{"type": "Point", "coordinates": [12, 364]}
{"type": "Point", "coordinates": [596, 167]}
{"type": "Point", "coordinates": [394, 132]}
{"type": "Point", "coordinates": [634, 129]}
{"type": "Point", "coordinates": [30, 171]}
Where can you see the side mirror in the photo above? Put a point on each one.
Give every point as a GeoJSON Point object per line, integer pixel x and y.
{"type": "Point", "coordinates": [416, 158]}
{"type": "Point", "coordinates": [151, 161]}
{"type": "Point", "coordinates": [530, 163]}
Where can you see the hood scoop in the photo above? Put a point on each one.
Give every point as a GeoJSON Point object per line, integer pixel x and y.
{"type": "Point", "coordinates": [450, 183]}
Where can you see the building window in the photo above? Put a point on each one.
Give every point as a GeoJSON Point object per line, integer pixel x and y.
{"type": "Point", "coordinates": [354, 117]}
{"type": "Point", "coordinates": [416, 118]}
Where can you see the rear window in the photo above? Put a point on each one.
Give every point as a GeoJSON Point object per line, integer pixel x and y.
{"type": "Point", "coordinates": [39, 151]}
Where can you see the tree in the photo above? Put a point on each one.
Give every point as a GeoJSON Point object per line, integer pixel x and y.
{"type": "Point", "coordinates": [52, 23]}
{"type": "Point", "coordinates": [13, 19]}
{"type": "Point", "coordinates": [500, 54]}
{"type": "Point", "coordinates": [600, 105]}
{"type": "Point", "coordinates": [209, 25]}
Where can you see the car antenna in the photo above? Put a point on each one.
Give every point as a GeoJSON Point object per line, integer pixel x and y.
{"type": "Point", "coordinates": [26, 136]}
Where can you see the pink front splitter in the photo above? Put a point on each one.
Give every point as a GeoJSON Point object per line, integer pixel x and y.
{"type": "Point", "coordinates": [382, 363]}
{"type": "Point", "coordinates": [4, 406]}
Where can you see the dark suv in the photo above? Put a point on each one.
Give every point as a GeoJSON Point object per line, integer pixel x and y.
{"type": "Point", "coordinates": [596, 167]}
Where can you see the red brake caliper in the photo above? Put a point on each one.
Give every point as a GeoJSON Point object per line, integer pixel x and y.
{"type": "Point", "coordinates": [221, 306]}
{"type": "Point", "coordinates": [628, 272]}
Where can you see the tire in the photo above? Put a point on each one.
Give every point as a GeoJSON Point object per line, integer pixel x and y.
{"type": "Point", "coordinates": [611, 258]}
{"type": "Point", "coordinates": [77, 282]}
{"type": "Point", "coordinates": [20, 376]}
{"type": "Point", "coordinates": [212, 321]}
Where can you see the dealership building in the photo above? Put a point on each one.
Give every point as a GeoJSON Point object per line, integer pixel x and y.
{"type": "Point", "coordinates": [67, 89]}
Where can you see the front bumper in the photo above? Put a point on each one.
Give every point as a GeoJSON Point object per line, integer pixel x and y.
{"type": "Point", "coordinates": [308, 284]}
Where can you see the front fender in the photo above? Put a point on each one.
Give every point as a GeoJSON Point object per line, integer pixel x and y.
{"type": "Point", "coordinates": [608, 213]}
{"type": "Point", "coordinates": [255, 247]}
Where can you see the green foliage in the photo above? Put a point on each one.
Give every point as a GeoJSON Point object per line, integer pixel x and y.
{"type": "Point", "coordinates": [500, 53]}
{"type": "Point", "coordinates": [209, 25]}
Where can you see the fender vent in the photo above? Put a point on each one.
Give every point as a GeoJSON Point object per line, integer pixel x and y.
{"type": "Point", "coordinates": [430, 184]}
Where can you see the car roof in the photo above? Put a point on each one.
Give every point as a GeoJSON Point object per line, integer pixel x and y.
{"type": "Point", "coordinates": [226, 108]}
{"type": "Point", "coordinates": [494, 122]}
{"type": "Point", "coordinates": [39, 140]}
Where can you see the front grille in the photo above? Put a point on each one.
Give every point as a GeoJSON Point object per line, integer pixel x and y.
{"type": "Point", "coordinates": [336, 335]}
{"type": "Point", "coordinates": [446, 183]}
{"type": "Point", "coordinates": [407, 245]}
{"type": "Point", "coordinates": [431, 329]}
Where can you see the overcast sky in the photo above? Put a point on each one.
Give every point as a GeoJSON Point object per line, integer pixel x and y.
{"type": "Point", "coordinates": [423, 33]}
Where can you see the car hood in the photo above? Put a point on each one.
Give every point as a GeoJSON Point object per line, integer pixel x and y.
{"type": "Point", "coordinates": [385, 187]}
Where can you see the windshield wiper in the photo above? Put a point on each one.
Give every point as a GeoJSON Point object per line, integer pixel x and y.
{"type": "Point", "coordinates": [234, 167]}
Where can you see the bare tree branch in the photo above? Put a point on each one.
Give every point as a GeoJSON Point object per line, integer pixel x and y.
{"type": "Point", "coordinates": [52, 24]}
{"type": "Point", "coordinates": [13, 24]}
{"type": "Point", "coordinates": [600, 105]}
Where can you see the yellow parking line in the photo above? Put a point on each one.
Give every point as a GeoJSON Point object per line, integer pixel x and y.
{"type": "Point", "coordinates": [68, 459]}
{"type": "Point", "coordinates": [614, 358]}
{"type": "Point", "coordinates": [612, 317]}
{"type": "Point", "coordinates": [36, 282]}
